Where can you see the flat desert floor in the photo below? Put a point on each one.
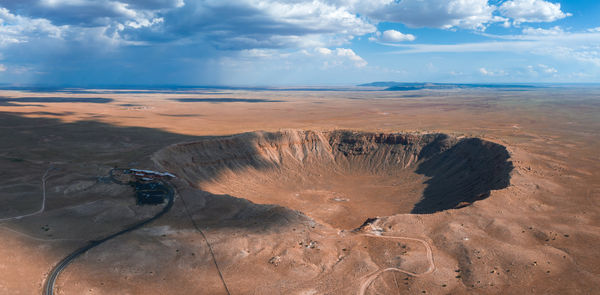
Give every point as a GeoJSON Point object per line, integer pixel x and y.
{"type": "Point", "coordinates": [475, 190]}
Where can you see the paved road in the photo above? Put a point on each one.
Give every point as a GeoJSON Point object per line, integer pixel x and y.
{"type": "Point", "coordinates": [53, 276]}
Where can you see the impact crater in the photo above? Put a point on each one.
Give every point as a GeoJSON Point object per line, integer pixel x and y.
{"type": "Point", "coordinates": [344, 177]}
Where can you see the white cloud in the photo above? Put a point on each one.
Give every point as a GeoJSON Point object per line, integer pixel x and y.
{"type": "Point", "coordinates": [487, 72]}
{"type": "Point", "coordinates": [323, 51]}
{"type": "Point", "coordinates": [522, 11]}
{"type": "Point", "coordinates": [316, 15]}
{"type": "Point", "coordinates": [260, 53]}
{"type": "Point", "coordinates": [395, 36]}
{"type": "Point", "coordinates": [280, 66]}
{"type": "Point", "coordinates": [349, 54]}
{"type": "Point", "coordinates": [93, 13]}
{"type": "Point", "coordinates": [15, 29]}
{"type": "Point", "coordinates": [446, 14]}
{"type": "Point", "coordinates": [547, 69]}
{"type": "Point", "coordinates": [88, 21]}
{"type": "Point", "coordinates": [144, 23]}
{"type": "Point", "coordinates": [554, 31]}
{"type": "Point", "coordinates": [19, 29]}
{"type": "Point", "coordinates": [269, 23]}
{"type": "Point", "coordinates": [2, 68]}
{"type": "Point", "coordinates": [329, 58]}
{"type": "Point", "coordinates": [543, 69]}
{"type": "Point", "coordinates": [493, 46]}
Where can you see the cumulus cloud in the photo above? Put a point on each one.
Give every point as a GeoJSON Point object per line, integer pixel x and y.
{"type": "Point", "coordinates": [522, 11]}
{"type": "Point", "coordinates": [74, 21]}
{"type": "Point", "coordinates": [547, 69]}
{"type": "Point", "coordinates": [226, 24]}
{"type": "Point", "coordinates": [541, 69]}
{"type": "Point", "coordinates": [349, 54]}
{"type": "Point", "coordinates": [597, 29]}
{"type": "Point", "coordinates": [2, 68]}
{"type": "Point", "coordinates": [323, 51]}
{"type": "Point", "coordinates": [144, 23]}
{"type": "Point", "coordinates": [267, 23]}
{"type": "Point", "coordinates": [340, 56]}
{"type": "Point", "coordinates": [329, 58]}
{"type": "Point", "coordinates": [487, 72]}
{"type": "Point", "coordinates": [19, 29]}
{"type": "Point", "coordinates": [392, 36]}
{"type": "Point", "coordinates": [90, 13]}
{"type": "Point", "coordinates": [554, 31]}
{"type": "Point", "coordinates": [447, 14]}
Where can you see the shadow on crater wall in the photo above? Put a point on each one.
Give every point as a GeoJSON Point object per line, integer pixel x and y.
{"type": "Point", "coordinates": [461, 171]}
{"type": "Point", "coordinates": [462, 174]}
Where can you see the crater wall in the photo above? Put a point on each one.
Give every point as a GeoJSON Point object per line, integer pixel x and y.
{"type": "Point", "coordinates": [343, 177]}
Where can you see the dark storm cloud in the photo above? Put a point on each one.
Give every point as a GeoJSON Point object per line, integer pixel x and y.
{"type": "Point", "coordinates": [231, 25]}
{"type": "Point", "coordinates": [87, 13]}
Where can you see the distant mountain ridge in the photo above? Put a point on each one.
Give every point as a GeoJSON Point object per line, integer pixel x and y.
{"type": "Point", "coordinates": [404, 86]}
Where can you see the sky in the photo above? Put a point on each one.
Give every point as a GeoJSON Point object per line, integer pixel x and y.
{"type": "Point", "coordinates": [297, 42]}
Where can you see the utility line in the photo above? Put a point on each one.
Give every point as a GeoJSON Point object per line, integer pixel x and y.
{"type": "Point", "coordinates": [207, 243]}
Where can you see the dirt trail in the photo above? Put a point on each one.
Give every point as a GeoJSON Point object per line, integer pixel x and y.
{"type": "Point", "coordinates": [42, 207]}
{"type": "Point", "coordinates": [371, 277]}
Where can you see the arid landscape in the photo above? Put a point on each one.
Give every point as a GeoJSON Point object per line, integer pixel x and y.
{"type": "Point", "coordinates": [354, 190]}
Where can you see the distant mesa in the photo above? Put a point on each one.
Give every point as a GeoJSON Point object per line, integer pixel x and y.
{"type": "Point", "coordinates": [376, 174]}
{"type": "Point", "coordinates": [56, 99]}
{"type": "Point", "coordinates": [223, 99]}
{"type": "Point", "coordinates": [402, 86]}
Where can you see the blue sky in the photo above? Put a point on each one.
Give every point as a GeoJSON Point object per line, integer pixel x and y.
{"type": "Point", "coordinates": [297, 42]}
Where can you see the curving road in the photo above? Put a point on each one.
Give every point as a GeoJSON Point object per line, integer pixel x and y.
{"type": "Point", "coordinates": [52, 277]}
{"type": "Point", "coordinates": [371, 277]}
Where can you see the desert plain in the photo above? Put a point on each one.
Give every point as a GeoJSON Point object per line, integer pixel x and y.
{"type": "Point", "coordinates": [350, 190]}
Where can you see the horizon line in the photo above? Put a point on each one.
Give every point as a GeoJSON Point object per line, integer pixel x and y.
{"type": "Point", "coordinates": [17, 86]}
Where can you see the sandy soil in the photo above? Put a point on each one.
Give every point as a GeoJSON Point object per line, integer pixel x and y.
{"type": "Point", "coordinates": [292, 235]}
